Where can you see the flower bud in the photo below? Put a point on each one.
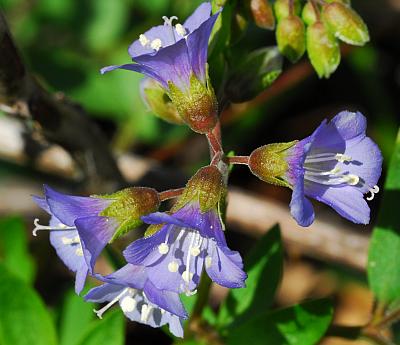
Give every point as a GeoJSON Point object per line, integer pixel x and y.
{"type": "Point", "coordinates": [290, 35]}
{"type": "Point", "coordinates": [206, 187]}
{"type": "Point", "coordinates": [269, 163]}
{"type": "Point", "coordinates": [158, 101]}
{"type": "Point", "coordinates": [345, 23]}
{"type": "Point", "coordinates": [323, 49]}
{"type": "Point", "coordinates": [130, 204]}
{"type": "Point", "coordinates": [198, 107]}
{"type": "Point", "coordinates": [282, 8]}
{"type": "Point", "coordinates": [262, 14]}
{"type": "Point", "coordinates": [308, 14]}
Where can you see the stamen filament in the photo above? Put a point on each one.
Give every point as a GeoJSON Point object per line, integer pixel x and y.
{"type": "Point", "coordinates": [101, 311]}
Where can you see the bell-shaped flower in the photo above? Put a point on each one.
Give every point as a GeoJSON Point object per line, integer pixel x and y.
{"type": "Point", "coordinates": [97, 219]}
{"type": "Point", "coordinates": [190, 239]}
{"type": "Point", "coordinates": [176, 57]}
{"type": "Point", "coordinates": [139, 299]}
{"type": "Point", "coordinates": [336, 165]}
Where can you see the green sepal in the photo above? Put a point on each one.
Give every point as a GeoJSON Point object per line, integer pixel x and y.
{"type": "Point", "coordinates": [269, 163]}
{"type": "Point", "coordinates": [323, 49]}
{"type": "Point", "coordinates": [206, 187]}
{"type": "Point", "coordinates": [197, 106]}
{"type": "Point", "coordinates": [308, 14]}
{"type": "Point", "coordinates": [345, 23]}
{"type": "Point", "coordinates": [152, 229]}
{"type": "Point", "coordinates": [129, 205]}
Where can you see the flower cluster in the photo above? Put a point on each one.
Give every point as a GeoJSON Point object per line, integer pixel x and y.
{"type": "Point", "coordinates": [337, 165]}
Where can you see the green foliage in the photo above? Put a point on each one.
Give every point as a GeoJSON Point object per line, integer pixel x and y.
{"type": "Point", "coordinates": [253, 73]}
{"type": "Point", "coordinates": [384, 251]}
{"type": "Point", "coordinates": [14, 248]}
{"type": "Point", "coordinates": [108, 331]}
{"type": "Point", "coordinates": [264, 268]}
{"type": "Point", "coordinates": [303, 324]}
{"type": "Point", "coordinates": [75, 318]}
{"type": "Point", "coordinates": [23, 317]}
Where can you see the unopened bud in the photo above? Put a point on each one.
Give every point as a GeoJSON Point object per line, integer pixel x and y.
{"type": "Point", "coordinates": [157, 100]}
{"type": "Point", "coordinates": [308, 14]}
{"type": "Point", "coordinates": [282, 8]}
{"type": "Point", "coordinates": [198, 106]}
{"type": "Point", "coordinates": [129, 205]}
{"type": "Point", "coordinates": [262, 14]}
{"type": "Point", "coordinates": [206, 187]}
{"type": "Point", "coordinates": [291, 38]}
{"type": "Point", "coordinates": [323, 49]}
{"type": "Point", "coordinates": [269, 163]}
{"type": "Point", "coordinates": [345, 23]}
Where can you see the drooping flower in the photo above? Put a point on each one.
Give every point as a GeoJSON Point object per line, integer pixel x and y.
{"type": "Point", "coordinates": [336, 165]}
{"type": "Point", "coordinates": [176, 57]}
{"type": "Point", "coordinates": [139, 299]}
{"type": "Point", "coordinates": [89, 223]}
{"type": "Point", "coordinates": [190, 238]}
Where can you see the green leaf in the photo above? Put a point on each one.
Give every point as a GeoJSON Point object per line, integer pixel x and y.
{"type": "Point", "coordinates": [75, 318]}
{"type": "Point", "coordinates": [253, 74]}
{"type": "Point", "coordinates": [14, 248]}
{"type": "Point", "coordinates": [24, 319]}
{"type": "Point", "coordinates": [384, 250]}
{"type": "Point", "coordinates": [302, 324]}
{"type": "Point", "coordinates": [264, 267]}
{"type": "Point", "coordinates": [108, 331]}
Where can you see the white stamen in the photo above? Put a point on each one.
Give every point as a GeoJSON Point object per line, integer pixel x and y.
{"type": "Point", "coordinates": [50, 228]}
{"type": "Point", "coordinates": [145, 312]}
{"type": "Point", "coordinates": [180, 30]}
{"type": "Point", "coordinates": [79, 251]}
{"type": "Point", "coordinates": [101, 311]}
{"type": "Point", "coordinates": [327, 157]}
{"type": "Point", "coordinates": [156, 44]}
{"type": "Point", "coordinates": [374, 190]}
{"type": "Point", "coordinates": [67, 240]}
{"type": "Point", "coordinates": [168, 21]}
{"type": "Point", "coordinates": [173, 267]}
{"type": "Point", "coordinates": [343, 158]}
{"type": "Point", "coordinates": [163, 248]}
{"type": "Point", "coordinates": [351, 179]}
{"type": "Point", "coordinates": [128, 304]}
{"type": "Point", "coordinates": [208, 261]}
{"type": "Point", "coordinates": [187, 276]}
{"type": "Point", "coordinates": [144, 41]}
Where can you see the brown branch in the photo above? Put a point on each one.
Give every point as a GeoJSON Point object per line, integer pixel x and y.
{"type": "Point", "coordinates": [57, 120]}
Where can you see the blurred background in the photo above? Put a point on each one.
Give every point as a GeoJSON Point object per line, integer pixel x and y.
{"type": "Point", "coordinates": [64, 43]}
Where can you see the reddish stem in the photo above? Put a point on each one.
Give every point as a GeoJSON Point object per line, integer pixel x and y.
{"type": "Point", "coordinates": [170, 194]}
{"type": "Point", "coordinates": [214, 143]}
{"type": "Point", "coordinates": [239, 160]}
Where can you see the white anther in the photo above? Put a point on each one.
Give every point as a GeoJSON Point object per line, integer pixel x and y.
{"type": "Point", "coordinates": [128, 304]}
{"type": "Point", "coordinates": [208, 261]}
{"type": "Point", "coordinates": [67, 240]}
{"type": "Point", "coordinates": [156, 44]}
{"type": "Point", "coordinates": [173, 267]}
{"type": "Point", "coordinates": [351, 179]}
{"type": "Point", "coordinates": [168, 21]}
{"type": "Point", "coordinates": [50, 228]}
{"type": "Point", "coordinates": [145, 312]}
{"type": "Point", "coordinates": [187, 291]}
{"type": "Point", "coordinates": [374, 190]}
{"type": "Point", "coordinates": [187, 276]}
{"type": "Point", "coordinates": [101, 311]}
{"type": "Point", "coordinates": [163, 248]}
{"type": "Point", "coordinates": [79, 251]}
{"type": "Point", "coordinates": [180, 30]}
{"type": "Point", "coordinates": [343, 158]}
{"type": "Point", "coordinates": [144, 41]}
{"type": "Point", "coordinates": [195, 251]}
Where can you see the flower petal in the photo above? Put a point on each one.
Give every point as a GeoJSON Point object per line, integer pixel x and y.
{"type": "Point", "coordinates": [67, 208]}
{"type": "Point", "coordinates": [198, 17]}
{"type": "Point", "coordinates": [42, 203]}
{"type": "Point", "coordinates": [95, 233]}
{"type": "Point", "coordinates": [301, 208]}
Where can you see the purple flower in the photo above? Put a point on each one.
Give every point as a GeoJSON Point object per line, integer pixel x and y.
{"type": "Point", "coordinates": [64, 236]}
{"type": "Point", "coordinates": [176, 57]}
{"type": "Point", "coordinates": [97, 220]}
{"type": "Point", "coordinates": [188, 241]}
{"type": "Point", "coordinates": [337, 165]}
{"type": "Point", "coordinates": [139, 299]}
